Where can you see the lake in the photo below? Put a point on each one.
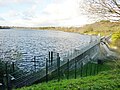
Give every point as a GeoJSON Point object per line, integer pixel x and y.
{"type": "Point", "coordinates": [40, 42]}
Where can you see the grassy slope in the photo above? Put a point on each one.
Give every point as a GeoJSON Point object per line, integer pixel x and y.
{"type": "Point", "coordinates": [103, 27]}
{"type": "Point", "coordinates": [109, 80]}
{"type": "Point", "coordinates": [105, 80]}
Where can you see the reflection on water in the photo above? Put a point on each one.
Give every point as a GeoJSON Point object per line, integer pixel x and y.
{"type": "Point", "coordinates": [40, 42]}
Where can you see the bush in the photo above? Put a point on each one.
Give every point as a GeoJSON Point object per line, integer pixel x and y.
{"type": "Point", "coordinates": [116, 39]}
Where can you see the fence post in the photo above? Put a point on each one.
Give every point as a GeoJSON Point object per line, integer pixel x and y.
{"type": "Point", "coordinates": [34, 60]}
{"type": "Point", "coordinates": [94, 69]}
{"type": "Point", "coordinates": [90, 68]}
{"type": "Point", "coordinates": [58, 66]}
{"type": "Point", "coordinates": [51, 57]}
{"type": "Point", "coordinates": [7, 76]}
{"type": "Point", "coordinates": [99, 62]}
{"type": "Point", "coordinates": [46, 70]}
{"type": "Point", "coordinates": [75, 67]}
{"type": "Point", "coordinates": [97, 68]}
{"type": "Point", "coordinates": [68, 69]}
{"type": "Point", "coordinates": [86, 68]}
{"type": "Point", "coordinates": [81, 68]}
{"type": "Point", "coordinates": [13, 67]}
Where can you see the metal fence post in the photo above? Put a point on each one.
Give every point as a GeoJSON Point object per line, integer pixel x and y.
{"type": "Point", "coordinates": [58, 66]}
{"type": "Point", "coordinates": [86, 69]}
{"type": "Point", "coordinates": [90, 68]}
{"type": "Point", "coordinates": [99, 62]}
{"type": "Point", "coordinates": [81, 70]}
{"type": "Point", "coordinates": [97, 68]}
{"type": "Point", "coordinates": [51, 57]}
{"type": "Point", "coordinates": [13, 66]}
{"type": "Point", "coordinates": [68, 69]}
{"type": "Point", "coordinates": [94, 69]}
{"type": "Point", "coordinates": [34, 60]}
{"type": "Point", "coordinates": [7, 76]}
{"type": "Point", "coordinates": [75, 67]}
{"type": "Point", "coordinates": [46, 70]}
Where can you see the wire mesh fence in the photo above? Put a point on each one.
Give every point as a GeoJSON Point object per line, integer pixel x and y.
{"type": "Point", "coordinates": [55, 69]}
{"type": "Point", "coordinates": [77, 64]}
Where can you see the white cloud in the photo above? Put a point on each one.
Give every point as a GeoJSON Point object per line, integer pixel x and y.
{"type": "Point", "coordinates": [66, 13]}
{"type": "Point", "coordinates": [6, 2]}
{"type": "Point", "coordinates": [68, 8]}
{"type": "Point", "coordinates": [57, 13]}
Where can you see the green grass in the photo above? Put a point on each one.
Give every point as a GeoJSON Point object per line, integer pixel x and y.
{"type": "Point", "coordinates": [107, 80]}
{"type": "Point", "coordinates": [87, 70]}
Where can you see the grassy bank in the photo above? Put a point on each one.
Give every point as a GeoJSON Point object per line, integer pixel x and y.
{"type": "Point", "coordinates": [103, 27]}
{"type": "Point", "coordinates": [108, 80]}
{"type": "Point", "coordinates": [105, 80]}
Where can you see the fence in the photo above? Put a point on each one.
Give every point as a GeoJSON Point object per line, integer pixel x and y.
{"type": "Point", "coordinates": [6, 67]}
{"type": "Point", "coordinates": [78, 64]}
{"type": "Point", "coordinates": [55, 69]}
{"type": "Point", "coordinates": [73, 69]}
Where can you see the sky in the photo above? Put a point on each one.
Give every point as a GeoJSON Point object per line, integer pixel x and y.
{"type": "Point", "coordinates": [35, 13]}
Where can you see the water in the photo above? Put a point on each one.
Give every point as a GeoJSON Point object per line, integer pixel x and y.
{"type": "Point", "coordinates": [40, 42]}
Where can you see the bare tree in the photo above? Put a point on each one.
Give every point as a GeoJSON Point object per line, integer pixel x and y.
{"type": "Point", "coordinates": [109, 9]}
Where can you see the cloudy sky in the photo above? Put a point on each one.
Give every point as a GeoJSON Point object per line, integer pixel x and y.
{"type": "Point", "coordinates": [41, 13]}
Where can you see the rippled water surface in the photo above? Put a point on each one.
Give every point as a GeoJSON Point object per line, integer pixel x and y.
{"type": "Point", "coordinates": [40, 42]}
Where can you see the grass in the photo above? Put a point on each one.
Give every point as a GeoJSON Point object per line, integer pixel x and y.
{"type": "Point", "coordinates": [105, 80]}
{"type": "Point", "coordinates": [87, 70]}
